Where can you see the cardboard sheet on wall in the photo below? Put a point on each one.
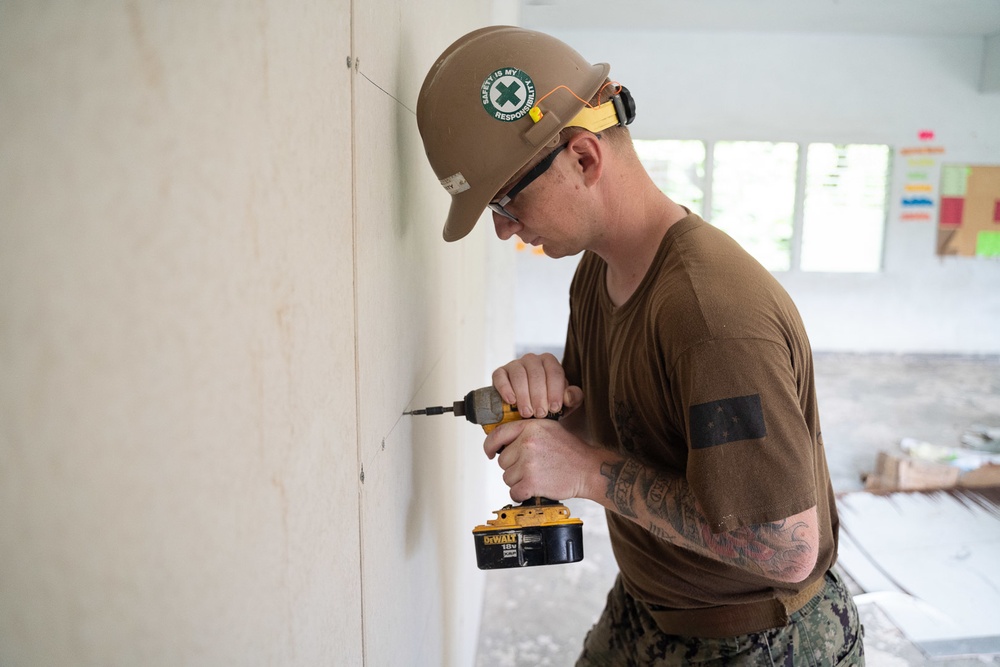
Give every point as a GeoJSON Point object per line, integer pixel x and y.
{"type": "Point", "coordinates": [969, 214]}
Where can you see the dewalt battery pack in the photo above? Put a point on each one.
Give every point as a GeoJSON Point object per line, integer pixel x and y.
{"type": "Point", "coordinates": [537, 532]}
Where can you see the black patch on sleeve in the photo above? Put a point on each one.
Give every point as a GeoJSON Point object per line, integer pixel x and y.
{"type": "Point", "coordinates": [728, 420]}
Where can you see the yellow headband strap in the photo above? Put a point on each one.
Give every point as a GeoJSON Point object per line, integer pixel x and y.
{"type": "Point", "coordinates": [596, 118]}
{"type": "Point", "coordinates": [591, 118]}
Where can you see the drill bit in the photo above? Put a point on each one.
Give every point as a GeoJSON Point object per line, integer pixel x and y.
{"type": "Point", "coordinates": [436, 410]}
{"type": "Point", "coordinates": [458, 408]}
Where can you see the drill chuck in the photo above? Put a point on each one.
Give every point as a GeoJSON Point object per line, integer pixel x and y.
{"type": "Point", "coordinates": [480, 406]}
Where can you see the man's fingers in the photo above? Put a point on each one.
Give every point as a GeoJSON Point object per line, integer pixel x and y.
{"type": "Point", "coordinates": [500, 437]}
{"type": "Point", "coordinates": [519, 496]}
{"type": "Point", "coordinates": [535, 383]}
{"type": "Point", "coordinates": [517, 390]}
{"type": "Point", "coordinates": [555, 383]}
{"type": "Point", "coordinates": [538, 393]}
{"type": "Point", "coordinates": [573, 397]}
{"type": "Point", "coordinates": [507, 458]}
{"type": "Point", "coordinates": [501, 382]}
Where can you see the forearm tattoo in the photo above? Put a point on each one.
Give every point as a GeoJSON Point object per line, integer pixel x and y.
{"type": "Point", "coordinates": [622, 478]}
{"type": "Point", "coordinates": [670, 512]}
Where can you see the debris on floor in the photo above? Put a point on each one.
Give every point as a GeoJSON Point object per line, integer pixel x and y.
{"type": "Point", "coordinates": [920, 465]}
{"type": "Point", "coordinates": [982, 438]}
{"type": "Point", "coordinates": [928, 560]}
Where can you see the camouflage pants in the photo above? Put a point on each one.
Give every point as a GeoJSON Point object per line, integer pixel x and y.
{"type": "Point", "coordinates": [826, 631]}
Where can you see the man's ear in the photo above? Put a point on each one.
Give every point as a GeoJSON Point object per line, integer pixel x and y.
{"type": "Point", "coordinates": [589, 153]}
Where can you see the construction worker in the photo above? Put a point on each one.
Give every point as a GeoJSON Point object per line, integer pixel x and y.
{"type": "Point", "coordinates": [687, 379]}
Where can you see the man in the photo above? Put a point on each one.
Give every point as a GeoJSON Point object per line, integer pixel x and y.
{"type": "Point", "coordinates": [687, 382]}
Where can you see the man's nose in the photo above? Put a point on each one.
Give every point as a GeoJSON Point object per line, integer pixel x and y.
{"type": "Point", "coordinates": [505, 227]}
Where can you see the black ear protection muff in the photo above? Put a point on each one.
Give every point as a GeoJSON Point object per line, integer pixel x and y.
{"type": "Point", "coordinates": [624, 106]}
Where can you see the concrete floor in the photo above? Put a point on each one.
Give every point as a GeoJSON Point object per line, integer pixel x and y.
{"type": "Point", "coordinates": [538, 617]}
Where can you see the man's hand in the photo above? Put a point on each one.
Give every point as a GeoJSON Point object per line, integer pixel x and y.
{"type": "Point", "coordinates": [537, 385]}
{"type": "Point", "coordinates": [540, 457]}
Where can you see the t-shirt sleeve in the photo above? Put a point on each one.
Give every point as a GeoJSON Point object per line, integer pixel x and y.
{"type": "Point", "coordinates": [750, 453]}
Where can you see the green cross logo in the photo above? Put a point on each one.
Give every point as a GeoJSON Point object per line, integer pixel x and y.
{"type": "Point", "coordinates": [508, 94]}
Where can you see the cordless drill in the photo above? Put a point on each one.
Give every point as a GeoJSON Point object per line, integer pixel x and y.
{"type": "Point", "coordinates": [539, 531]}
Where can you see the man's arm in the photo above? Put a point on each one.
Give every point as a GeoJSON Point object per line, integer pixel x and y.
{"type": "Point", "coordinates": [784, 550]}
{"type": "Point", "coordinates": [543, 458]}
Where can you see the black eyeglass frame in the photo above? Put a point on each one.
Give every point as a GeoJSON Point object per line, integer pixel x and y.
{"type": "Point", "coordinates": [498, 205]}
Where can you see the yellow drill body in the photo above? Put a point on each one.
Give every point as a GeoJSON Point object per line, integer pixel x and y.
{"type": "Point", "coordinates": [539, 531]}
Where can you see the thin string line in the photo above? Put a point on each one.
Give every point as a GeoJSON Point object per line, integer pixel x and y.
{"type": "Point", "coordinates": [381, 448]}
{"type": "Point", "coordinates": [387, 93]}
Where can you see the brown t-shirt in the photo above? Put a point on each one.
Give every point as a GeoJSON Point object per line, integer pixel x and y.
{"type": "Point", "coordinates": [706, 371]}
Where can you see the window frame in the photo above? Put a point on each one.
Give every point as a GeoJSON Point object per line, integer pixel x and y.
{"type": "Point", "coordinates": [799, 203]}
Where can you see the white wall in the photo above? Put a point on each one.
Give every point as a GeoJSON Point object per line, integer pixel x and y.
{"type": "Point", "coordinates": [222, 280]}
{"type": "Point", "coordinates": [827, 88]}
{"type": "Point", "coordinates": [425, 337]}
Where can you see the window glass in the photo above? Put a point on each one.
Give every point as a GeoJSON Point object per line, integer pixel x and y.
{"type": "Point", "coordinates": [844, 215]}
{"type": "Point", "coordinates": [753, 197]}
{"type": "Point", "coordinates": [677, 168]}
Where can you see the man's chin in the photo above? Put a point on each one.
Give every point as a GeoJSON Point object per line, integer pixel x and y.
{"type": "Point", "coordinates": [557, 253]}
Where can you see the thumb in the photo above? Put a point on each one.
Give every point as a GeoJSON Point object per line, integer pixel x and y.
{"type": "Point", "coordinates": [572, 398]}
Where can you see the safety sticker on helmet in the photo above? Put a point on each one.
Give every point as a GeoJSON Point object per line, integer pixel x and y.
{"type": "Point", "coordinates": [455, 183]}
{"type": "Point", "coordinates": [508, 94]}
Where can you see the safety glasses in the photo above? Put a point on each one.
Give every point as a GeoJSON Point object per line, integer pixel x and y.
{"type": "Point", "coordinates": [499, 205]}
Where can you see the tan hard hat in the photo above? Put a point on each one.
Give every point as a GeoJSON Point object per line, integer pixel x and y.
{"type": "Point", "coordinates": [482, 116]}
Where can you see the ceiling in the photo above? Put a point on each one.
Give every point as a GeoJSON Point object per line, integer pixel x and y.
{"type": "Point", "coordinates": [893, 17]}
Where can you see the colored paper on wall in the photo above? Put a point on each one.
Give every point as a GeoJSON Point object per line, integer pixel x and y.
{"type": "Point", "coordinates": [922, 150]}
{"type": "Point", "coordinates": [988, 244]}
{"type": "Point", "coordinates": [954, 180]}
{"type": "Point", "coordinates": [969, 211]}
{"type": "Point", "coordinates": [918, 191]}
{"type": "Point", "coordinates": [951, 210]}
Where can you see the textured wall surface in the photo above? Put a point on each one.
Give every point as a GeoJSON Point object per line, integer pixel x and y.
{"type": "Point", "coordinates": [221, 281]}
{"type": "Point", "coordinates": [429, 330]}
